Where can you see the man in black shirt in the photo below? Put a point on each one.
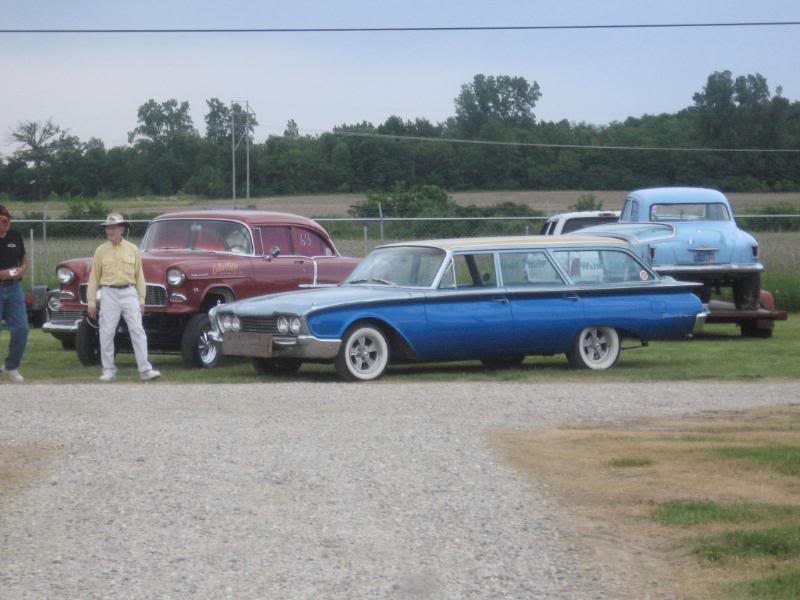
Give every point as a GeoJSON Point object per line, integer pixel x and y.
{"type": "Point", "coordinates": [13, 265]}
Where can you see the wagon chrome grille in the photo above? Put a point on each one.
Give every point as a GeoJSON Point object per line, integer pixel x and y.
{"type": "Point", "coordinates": [259, 324]}
{"type": "Point", "coordinates": [155, 295]}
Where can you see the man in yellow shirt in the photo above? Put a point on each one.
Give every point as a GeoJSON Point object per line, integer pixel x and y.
{"type": "Point", "coordinates": [117, 272]}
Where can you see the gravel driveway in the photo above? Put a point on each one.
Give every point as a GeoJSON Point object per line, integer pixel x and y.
{"type": "Point", "coordinates": [297, 490]}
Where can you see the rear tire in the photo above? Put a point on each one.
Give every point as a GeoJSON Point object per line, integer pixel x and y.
{"type": "Point", "coordinates": [747, 292]}
{"type": "Point", "coordinates": [595, 348]}
{"type": "Point", "coordinates": [273, 366]}
{"type": "Point", "coordinates": [197, 347]}
{"type": "Point", "coordinates": [364, 354]}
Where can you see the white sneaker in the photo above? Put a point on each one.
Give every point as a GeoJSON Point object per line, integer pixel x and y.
{"type": "Point", "coordinates": [13, 374]}
{"type": "Point", "coordinates": [108, 377]}
{"type": "Point", "coordinates": [151, 374]}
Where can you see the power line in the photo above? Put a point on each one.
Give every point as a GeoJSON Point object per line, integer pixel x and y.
{"type": "Point", "coordinates": [565, 146]}
{"type": "Point", "coordinates": [407, 29]}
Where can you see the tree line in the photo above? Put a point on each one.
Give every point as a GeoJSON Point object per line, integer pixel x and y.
{"type": "Point", "coordinates": [166, 155]}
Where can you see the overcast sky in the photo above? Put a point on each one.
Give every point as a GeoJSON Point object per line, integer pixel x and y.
{"type": "Point", "coordinates": [93, 84]}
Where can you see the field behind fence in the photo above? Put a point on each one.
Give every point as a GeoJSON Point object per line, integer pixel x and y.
{"type": "Point", "coordinates": [778, 236]}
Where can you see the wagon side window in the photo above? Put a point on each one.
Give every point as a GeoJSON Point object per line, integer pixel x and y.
{"type": "Point", "coordinates": [473, 270]}
{"type": "Point", "coordinates": [309, 243]}
{"type": "Point", "coordinates": [528, 269]}
{"type": "Point", "coordinates": [587, 267]}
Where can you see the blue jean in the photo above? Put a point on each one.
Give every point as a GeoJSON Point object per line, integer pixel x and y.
{"type": "Point", "coordinates": [14, 313]}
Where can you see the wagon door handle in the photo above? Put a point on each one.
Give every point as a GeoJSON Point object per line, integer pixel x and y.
{"type": "Point", "coordinates": [572, 297]}
{"type": "Point", "coordinates": [501, 300]}
{"type": "Point", "coordinates": [300, 262]}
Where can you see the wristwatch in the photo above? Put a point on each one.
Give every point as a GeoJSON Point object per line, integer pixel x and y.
{"type": "Point", "coordinates": [13, 272]}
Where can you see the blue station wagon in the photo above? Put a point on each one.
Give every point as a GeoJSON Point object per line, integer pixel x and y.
{"type": "Point", "coordinates": [493, 299]}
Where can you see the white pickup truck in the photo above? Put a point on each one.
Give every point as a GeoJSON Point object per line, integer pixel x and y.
{"type": "Point", "coordinates": [567, 222]}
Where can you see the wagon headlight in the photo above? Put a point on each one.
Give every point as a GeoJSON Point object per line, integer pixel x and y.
{"type": "Point", "coordinates": [226, 322]}
{"type": "Point", "coordinates": [64, 275]}
{"type": "Point", "coordinates": [236, 324]}
{"type": "Point", "coordinates": [294, 325]}
{"type": "Point", "coordinates": [283, 325]}
{"type": "Point", "coordinates": [175, 277]}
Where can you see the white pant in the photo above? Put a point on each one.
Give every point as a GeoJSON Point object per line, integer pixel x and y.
{"type": "Point", "coordinates": [113, 304]}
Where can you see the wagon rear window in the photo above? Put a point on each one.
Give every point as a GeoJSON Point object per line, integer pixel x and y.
{"type": "Point", "coordinates": [587, 267]}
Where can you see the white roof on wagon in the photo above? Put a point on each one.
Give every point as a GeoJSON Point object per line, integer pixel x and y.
{"type": "Point", "coordinates": [510, 242]}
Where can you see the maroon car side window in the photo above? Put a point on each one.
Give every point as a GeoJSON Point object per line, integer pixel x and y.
{"type": "Point", "coordinates": [276, 237]}
{"type": "Point", "coordinates": [308, 243]}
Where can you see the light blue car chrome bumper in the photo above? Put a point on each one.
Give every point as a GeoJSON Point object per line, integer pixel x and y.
{"type": "Point", "coordinates": [733, 269]}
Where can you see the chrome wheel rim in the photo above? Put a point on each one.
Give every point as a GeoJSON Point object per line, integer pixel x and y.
{"type": "Point", "coordinates": [595, 346]}
{"type": "Point", "coordinates": [365, 355]}
{"type": "Point", "coordinates": [206, 349]}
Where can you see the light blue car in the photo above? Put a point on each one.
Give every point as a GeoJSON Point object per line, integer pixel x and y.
{"type": "Point", "coordinates": [690, 234]}
{"type": "Point", "coordinates": [497, 300]}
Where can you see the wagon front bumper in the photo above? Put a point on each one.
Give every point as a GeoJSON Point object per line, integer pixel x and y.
{"type": "Point", "coordinates": [304, 347]}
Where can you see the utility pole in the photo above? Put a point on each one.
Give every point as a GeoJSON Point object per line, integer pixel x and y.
{"type": "Point", "coordinates": [234, 144]}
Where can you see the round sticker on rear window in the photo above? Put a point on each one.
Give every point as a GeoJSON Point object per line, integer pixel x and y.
{"type": "Point", "coordinates": [643, 275]}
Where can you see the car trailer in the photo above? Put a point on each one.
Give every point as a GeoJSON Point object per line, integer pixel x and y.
{"type": "Point", "coordinates": [756, 323]}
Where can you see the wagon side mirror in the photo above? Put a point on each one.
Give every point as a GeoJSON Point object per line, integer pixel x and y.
{"type": "Point", "coordinates": [274, 251]}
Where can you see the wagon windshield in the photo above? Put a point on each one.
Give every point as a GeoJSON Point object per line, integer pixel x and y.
{"type": "Point", "coordinates": [699, 211]}
{"type": "Point", "coordinates": [404, 266]}
{"type": "Point", "coordinates": [198, 234]}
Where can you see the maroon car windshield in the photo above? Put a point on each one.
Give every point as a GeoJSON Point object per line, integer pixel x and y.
{"type": "Point", "coordinates": [198, 234]}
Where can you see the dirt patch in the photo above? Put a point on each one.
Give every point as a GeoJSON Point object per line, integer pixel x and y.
{"type": "Point", "coordinates": [611, 508]}
{"type": "Point", "coordinates": [19, 465]}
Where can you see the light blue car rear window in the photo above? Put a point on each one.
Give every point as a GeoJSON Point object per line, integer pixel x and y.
{"type": "Point", "coordinates": [690, 211]}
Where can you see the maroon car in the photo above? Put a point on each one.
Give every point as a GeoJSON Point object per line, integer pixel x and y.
{"type": "Point", "coordinates": [193, 261]}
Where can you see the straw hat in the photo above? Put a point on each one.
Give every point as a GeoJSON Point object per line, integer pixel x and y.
{"type": "Point", "coordinates": [114, 219]}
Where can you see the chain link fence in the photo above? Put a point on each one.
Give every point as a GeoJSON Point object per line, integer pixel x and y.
{"type": "Point", "coordinates": [48, 242]}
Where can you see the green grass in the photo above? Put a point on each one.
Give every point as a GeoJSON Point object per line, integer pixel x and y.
{"type": "Point", "coordinates": [695, 512]}
{"type": "Point", "coordinates": [781, 543]}
{"type": "Point", "coordinates": [784, 459]}
{"type": "Point", "coordinates": [630, 461]}
{"type": "Point", "coordinates": [721, 355]}
{"type": "Point", "coordinates": [776, 587]}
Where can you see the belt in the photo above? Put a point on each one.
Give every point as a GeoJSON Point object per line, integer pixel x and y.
{"type": "Point", "coordinates": [119, 287]}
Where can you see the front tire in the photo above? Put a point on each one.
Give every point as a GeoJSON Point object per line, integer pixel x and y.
{"type": "Point", "coordinates": [747, 292]}
{"type": "Point", "coordinates": [87, 344]}
{"type": "Point", "coordinates": [364, 354]}
{"type": "Point", "coordinates": [595, 348]}
{"type": "Point", "coordinates": [274, 366]}
{"type": "Point", "coordinates": [197, 347]}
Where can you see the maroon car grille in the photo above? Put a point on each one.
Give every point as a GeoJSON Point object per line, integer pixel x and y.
{"type": "Point", "coordinates": [155, 295]}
